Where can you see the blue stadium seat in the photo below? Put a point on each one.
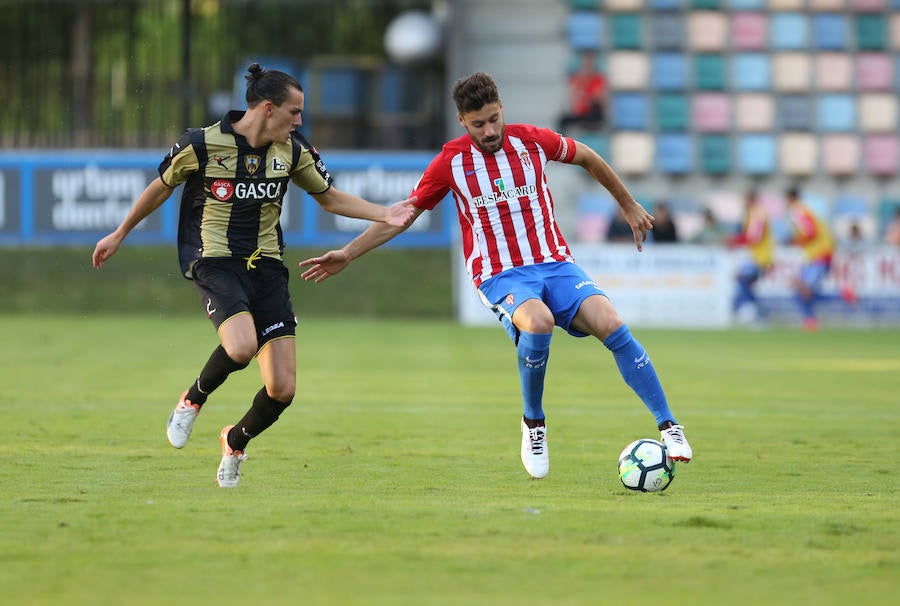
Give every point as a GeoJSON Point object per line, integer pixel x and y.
{"type": "Point", "coordinates": [629, 111]}
{"type": "Point", "coordinates": [871, 31]}
{"type": "Point", "coordinates": [751, 71]}
{"type": "Point", "coordinates": [837, 113]}
{"type": "Point", "coordinates": [709, 71]}
{"type": "Point", "coordinates": [756, 154]}
{"type": "Point", "coordinates": [669, 71]}
{"type": "Point", "coordinates": [715, 154]}
{"type": "Point", "coordinates": [340, 90]}
{"type": "Point", "coordinates": [793, 112]}
{"type": "Point", "coordinates": [675, 153]}
{"type": "Point", "coordinates": [829, 31]}
{"type": "Point", "coordinates": [672, 112]}
{"type": "Point", "coordinates": [585, 30]}
{"type": "Point", "coordinates": [625, 29]}
{"type": "Point", "coordinates": [789, 31]}
{"type": "Point", "coordinates": [667, 31]}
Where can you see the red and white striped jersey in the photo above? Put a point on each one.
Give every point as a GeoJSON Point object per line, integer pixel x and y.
{"type": "Point", "coordinates": [504, 205]}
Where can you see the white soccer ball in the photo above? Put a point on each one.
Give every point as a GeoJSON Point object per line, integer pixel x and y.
{"type": "Point", "coordinates": [645, 465]}
{"type": "Point", "coordinates": [412, 37]}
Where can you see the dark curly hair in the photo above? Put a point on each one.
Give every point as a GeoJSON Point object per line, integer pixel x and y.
{"type": "Point", "coordinates": [474, 92]}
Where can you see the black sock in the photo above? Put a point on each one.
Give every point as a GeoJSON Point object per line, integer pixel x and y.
{"type": "Point", "coordinates": [261, 415]}
{"type": "Point", "coordinates": [217, 369]}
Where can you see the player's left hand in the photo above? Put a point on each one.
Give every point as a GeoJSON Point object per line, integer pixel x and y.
{"type": "Point", "coordinates": [640, 221]}
{"type": "Point", "coordinates": [401, 214]}
{"type": "Point", "coordinates": [329, 264]}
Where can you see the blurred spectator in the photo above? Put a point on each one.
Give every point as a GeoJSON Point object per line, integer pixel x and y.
{"type": "Point", "coordinates": [587, 96]}
{"type": "Point", "coordinates": [663, 227]}
{"type": "Point", "coordinates": [619, 230]}
{"type": "Point", "coordinates": [712, 232]}
{"type": "Point", "coordinates": [892, 232]}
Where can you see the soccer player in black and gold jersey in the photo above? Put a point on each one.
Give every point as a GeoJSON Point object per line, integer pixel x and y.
{"type": "Point", "coordinates": [235, 175]}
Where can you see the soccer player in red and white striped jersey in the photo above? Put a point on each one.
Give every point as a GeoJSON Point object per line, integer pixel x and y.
{"type": "Point", "coordinates": [517, 256]}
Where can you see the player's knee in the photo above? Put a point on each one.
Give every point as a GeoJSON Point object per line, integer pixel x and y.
{"type": "Point", "coordinates": [242, 353]}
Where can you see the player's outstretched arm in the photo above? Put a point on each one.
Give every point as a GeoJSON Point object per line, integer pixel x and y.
{"type": "Point", "coordinates": [150, 199]}
{"type": "Point", "coordinates": [635, 215]}
{"type": "Point", "coordinates": [334, 261]}
{"type": "Point", "coordinates": [338, 202]}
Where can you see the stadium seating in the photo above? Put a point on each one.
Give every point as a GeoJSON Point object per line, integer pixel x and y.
{"type": "Point", "coordinates": [761, 88]}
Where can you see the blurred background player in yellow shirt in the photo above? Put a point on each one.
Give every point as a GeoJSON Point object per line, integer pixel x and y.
{"type": "Point", "coordinates": [817, 242]}
{"type": "Point", "coordinates": [756, 235]}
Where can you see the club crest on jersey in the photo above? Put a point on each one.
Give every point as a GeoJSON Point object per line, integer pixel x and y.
{"type": "Point", "coordinates": [222, 189]}
{"type": "Point", "coordinates": [251, 161]}
{"type": "Point", "coordinates": [525, 159]}
{"type": "Point", "coordinates": [510, 300]}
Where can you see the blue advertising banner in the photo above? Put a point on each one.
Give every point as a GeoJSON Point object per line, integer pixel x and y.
{"type": "Point", "coordinates": [77, 197]}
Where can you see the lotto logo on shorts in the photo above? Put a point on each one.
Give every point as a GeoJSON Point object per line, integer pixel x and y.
{"type": "Point", "coordinates": [222, 189]}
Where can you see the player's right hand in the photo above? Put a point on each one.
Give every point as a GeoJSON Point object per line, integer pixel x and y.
{"type": "Point", "coordinates": [105, 248]}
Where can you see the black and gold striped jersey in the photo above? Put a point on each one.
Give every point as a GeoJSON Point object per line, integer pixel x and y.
{"type": "Point", "coordinates": [232, 196]}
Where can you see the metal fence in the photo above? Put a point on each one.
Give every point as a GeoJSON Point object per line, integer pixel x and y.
{"type": "Point", "coordinates": [135, 73]}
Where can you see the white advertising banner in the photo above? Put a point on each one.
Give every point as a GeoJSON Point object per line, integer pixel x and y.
{"type": "Point", "coordinates": [687, 286]}
{"type": "Point", "coordinates": [679, 286]}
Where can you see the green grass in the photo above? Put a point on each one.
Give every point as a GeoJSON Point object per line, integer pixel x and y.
{"type": "Point", "coordinates": [395, 479]}
{"type": "Point", "coordinates": [399, 283]}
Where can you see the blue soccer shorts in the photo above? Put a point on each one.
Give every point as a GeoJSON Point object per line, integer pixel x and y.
{"type": "Point", "coordinates": [562, 286]}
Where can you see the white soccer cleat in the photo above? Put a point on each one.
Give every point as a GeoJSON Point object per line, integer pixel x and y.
{"type": "Point", "coordinates": [229, 473]}
{"type": "Point", "coordinates": [181, 422]}
{"type": "Point", "coordinates": [677, 447]}
{"type": "Point", "coordinates": [535, 456]}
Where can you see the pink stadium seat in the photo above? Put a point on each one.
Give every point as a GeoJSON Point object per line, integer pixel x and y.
{"type": "Point", "coordinates": [828, 6]}
{"type": "Point", "coordinates": [840, 154]}
{"type": "Point", "coordinates": [749, 31]}
{"type": "Point", "coordinates": [874, 71]}
{"type": "Point", "coordinates": [711, 112]}
{"type": "Point", "coordinates": [833, 72]}
{"type": "Point", "coordinates": [881, 154]}
{"type": "Point", "coordinates": [868, 5]}
{"type": "Point", "coordinates": [754, 112]}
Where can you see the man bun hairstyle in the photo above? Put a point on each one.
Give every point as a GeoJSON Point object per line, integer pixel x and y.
{"type": "Point", "coordinates": [474, 92]}
{"type": "Point", "coordinates": [268, 85]}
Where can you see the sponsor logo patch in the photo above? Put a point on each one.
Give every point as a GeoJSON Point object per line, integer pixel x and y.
{"type": "Point", "coordinates": [222, 189]}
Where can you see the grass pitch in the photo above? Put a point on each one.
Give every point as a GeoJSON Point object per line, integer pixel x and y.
{"type": "Point", "coordinates": [395, 479]}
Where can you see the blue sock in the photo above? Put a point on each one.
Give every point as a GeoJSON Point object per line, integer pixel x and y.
{"type": "Point", "coordinates": [533, 351]}
{"type": "Point", "coordinates": [637, 370]}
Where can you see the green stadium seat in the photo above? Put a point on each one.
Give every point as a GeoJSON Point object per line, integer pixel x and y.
{"type": "Point", "coordinates": [715, 154]}
{"type": "Point", "coordinates": [709, 72]}
{"type": "Point", "coordinates": [597, 142]}
{"type": "Point", "coordinates": [871, 32]}
{"type": "Point", "coordinates": [672, 112]}
{"type": "Point", "coordinates": [625, 29]}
